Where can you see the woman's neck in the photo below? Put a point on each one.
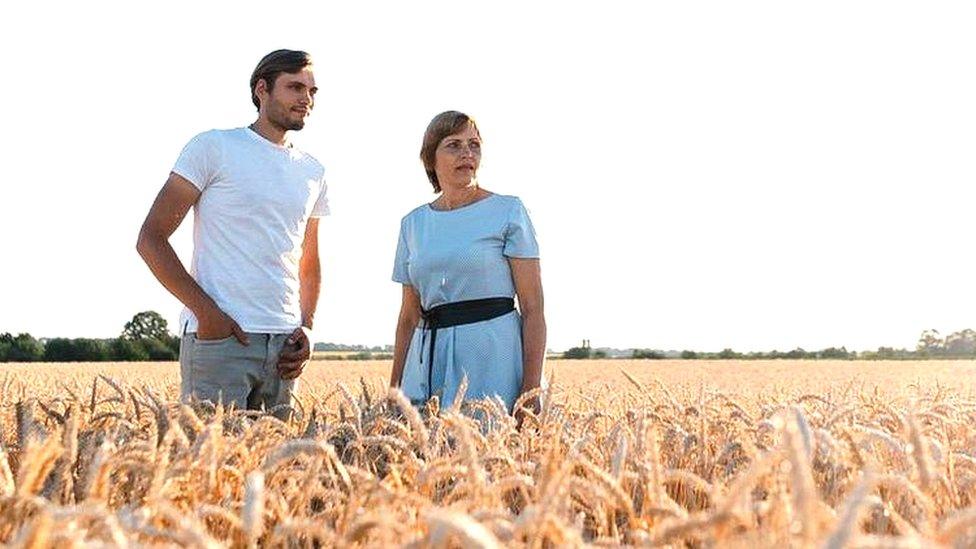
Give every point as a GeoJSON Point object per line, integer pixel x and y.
{"type": "Point", "coordinates": [452, 198]}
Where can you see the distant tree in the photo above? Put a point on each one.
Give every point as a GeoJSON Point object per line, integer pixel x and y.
{"type": "Point", "coordinates": [159, 350]}
{"type": "Point", "coordinates": [599, 354]}
{"type": "Point", "coordinates": [173, 342]}
{"type": "Point", "coordinates": [797, 354]}
{"type": "Point", "coordinates": [125, 350]}
{"type": "Point", "coordinates": [647, 354]}
{"type": "Point", "coordinates": [887, 353]}
{"type": "Point", "coordinates": [145, 325]}
{"type": "Point", "coordinates": [961, 343]}
{"type": "Point", "coordinates": [6, 342]}
{"type": "Point", "coordinates": [59, 349]}
{"type": "Point", "coordinates": [833, 352]}
{"type": "Point", "coordinates": [76, 350]}
{"type": "Point", "coordinates": [151, 331]}
{"type": "Point", "coordinates": [930, 343]}
{"type": "Point", "coordinates": [91, 350]}
{"type": "Point", "coordinates": [729, 354]}
{"type": "Point", "coordinates": [24, 348]}
{"type": "Point", "coordinates": [689, 355]}
{"type": "Point", "coordinates": [577, 353]}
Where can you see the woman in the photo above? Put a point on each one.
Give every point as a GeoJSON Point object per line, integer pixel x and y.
{"type": "Point", "coordinates": [462, 259]}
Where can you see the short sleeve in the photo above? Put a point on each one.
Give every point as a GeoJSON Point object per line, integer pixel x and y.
{"type": "Point", "coordinates": [520, 239]}
{"type": "Point", "coordinates": [400, 272]}
{"type": "Point", "coordinates": [199, 160]}
{"type": "Point", "coordinates": [321, 208]}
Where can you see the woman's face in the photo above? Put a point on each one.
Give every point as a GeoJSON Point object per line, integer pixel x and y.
{"type": "Point", "coordinates": [457, 158]}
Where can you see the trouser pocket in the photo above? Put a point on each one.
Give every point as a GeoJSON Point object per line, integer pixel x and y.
{"type": "Point", "coordinates": [215, 370]}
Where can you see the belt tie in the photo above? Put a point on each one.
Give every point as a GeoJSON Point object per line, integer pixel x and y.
{"type": "Point", "coordinates": [456, 314]}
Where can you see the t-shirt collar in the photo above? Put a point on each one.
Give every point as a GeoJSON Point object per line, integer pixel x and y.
{"type": "Point", "coordinates": [256, 136]}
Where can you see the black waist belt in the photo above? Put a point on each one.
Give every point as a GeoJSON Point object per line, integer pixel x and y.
{"type": "Point", "coordinates": [456, 314]}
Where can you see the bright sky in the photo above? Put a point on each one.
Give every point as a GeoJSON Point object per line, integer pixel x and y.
{"type": "Point", "coordinates": [702, 175]}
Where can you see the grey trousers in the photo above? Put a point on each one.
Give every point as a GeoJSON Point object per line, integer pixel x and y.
{"type": "Point", "coordinates": [224, 370]}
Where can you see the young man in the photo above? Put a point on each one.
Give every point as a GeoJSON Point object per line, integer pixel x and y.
{"type": "Point", "coordinates": [253, 284]}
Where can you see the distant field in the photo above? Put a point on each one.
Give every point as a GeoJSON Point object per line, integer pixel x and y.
{"type": "Point", "coordinates": [640, 453]}
{"type": "Point", "coordinates": [734, 376]}
{"type": "Point", "coordinates": [350, 355]}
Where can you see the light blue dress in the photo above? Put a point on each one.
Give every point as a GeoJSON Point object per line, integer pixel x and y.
{"type": "Point", "coordinates": [460, 255]}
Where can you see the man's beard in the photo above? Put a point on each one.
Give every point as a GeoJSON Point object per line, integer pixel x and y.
{"type": "Point", "coordinates": [294, 125]}
{"type": "Point", "coordinates": [282, 120]}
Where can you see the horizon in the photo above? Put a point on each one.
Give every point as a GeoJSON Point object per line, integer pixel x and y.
{"type": "Point", "coordinates": [708, 176]}
{"type": "Point", "coordinates": [581, 341]}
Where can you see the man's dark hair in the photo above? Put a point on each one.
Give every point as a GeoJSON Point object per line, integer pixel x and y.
{"type": "Point", "coordinates": [275, 63]}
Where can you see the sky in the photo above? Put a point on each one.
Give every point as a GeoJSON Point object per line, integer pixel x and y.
{"type": "Point", "coordinates": [701, 175]}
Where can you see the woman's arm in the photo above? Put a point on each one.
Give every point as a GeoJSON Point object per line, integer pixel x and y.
{"type": "Point", "coordinates": [406, 324]}
{"type": "Point", "coordinates": [528, 286]}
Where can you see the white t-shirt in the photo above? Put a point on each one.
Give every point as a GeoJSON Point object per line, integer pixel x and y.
{"type": "Point", "coordinates": [249, 224]}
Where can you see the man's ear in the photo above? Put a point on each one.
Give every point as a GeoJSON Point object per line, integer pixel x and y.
{"type": "Point", "coordinates": [261, 90]}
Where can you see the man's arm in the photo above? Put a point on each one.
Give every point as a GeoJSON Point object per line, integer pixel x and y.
{"type": "Point", "coordinates": [310, 273]}
{"type": "Point", "coordinates": [173, 202]}
{"type": "Point", "coordinates": [293, 359]}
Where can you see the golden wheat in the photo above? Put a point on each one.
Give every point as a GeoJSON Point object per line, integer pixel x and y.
{"type": "Point", "coordinates": [643, 456]}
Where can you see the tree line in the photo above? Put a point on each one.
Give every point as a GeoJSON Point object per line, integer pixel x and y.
{"type": "Point", "coordinates": [145, 337]}
{"type": "Point", "coordinates": [931, 345]}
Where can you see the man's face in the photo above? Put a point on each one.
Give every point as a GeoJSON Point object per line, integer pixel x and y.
{"type": "Point", "coordinates": [290, 100]}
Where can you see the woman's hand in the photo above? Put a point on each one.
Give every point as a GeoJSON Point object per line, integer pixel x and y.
{"type": "Point", "coordinates": [532, 405]}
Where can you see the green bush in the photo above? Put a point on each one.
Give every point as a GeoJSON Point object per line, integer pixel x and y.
{"type": "Point", "coordinates": [6, 342]}
{"type": "Point", "coordinates": [729, 354]}
{"type": "Point", "coordinates": [76, 350]}
{"type": "Point", "coordinates": [833, 352]}
{"type": "Point", "coordinates": [128, 351]}
{"type": "Point", "coordinates": [577, 353]}
{"type": "Point", "coordinates": [159, 350]}
{"type": "Point", "coordinates": [647, 354]}
{"type": "Point", "coordinates": [23, 348]}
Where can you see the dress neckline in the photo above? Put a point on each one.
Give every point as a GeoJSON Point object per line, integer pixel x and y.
{"type": "Point", "coordinates": [430, 205]}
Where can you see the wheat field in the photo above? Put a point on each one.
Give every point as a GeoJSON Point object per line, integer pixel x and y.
{"type": "Point", "coordinates": [634, 453]}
